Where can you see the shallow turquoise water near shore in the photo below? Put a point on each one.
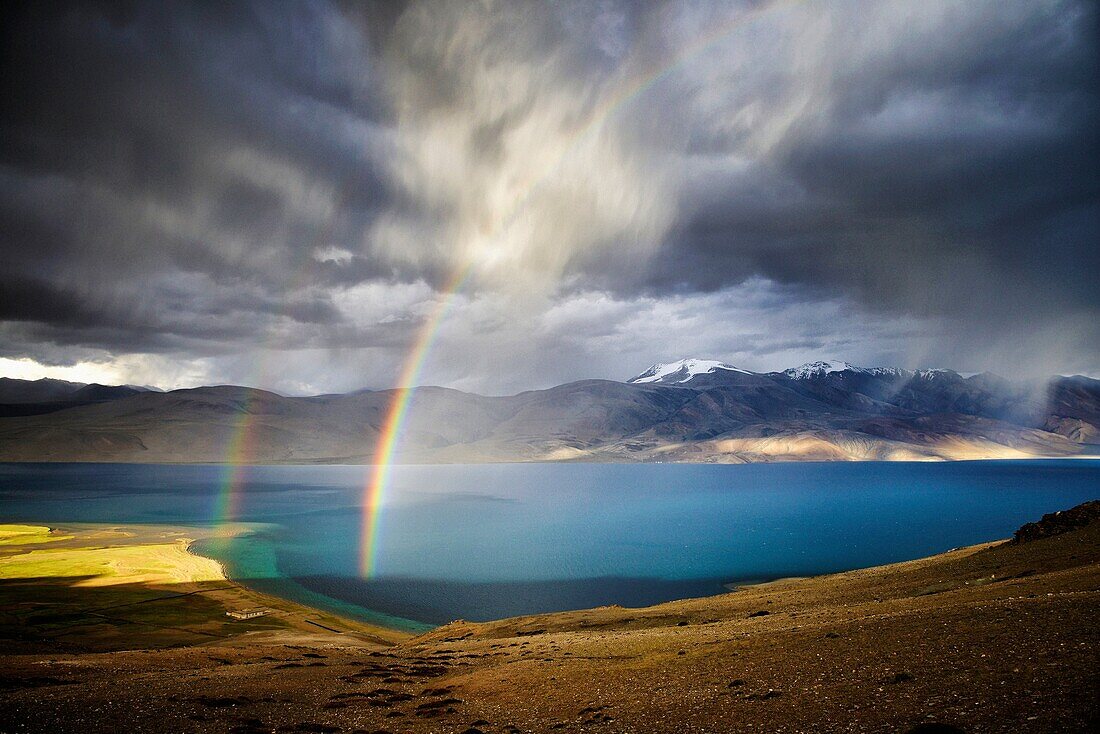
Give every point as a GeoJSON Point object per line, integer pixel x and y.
{"type": "Point", "coordinates": [487, 541]}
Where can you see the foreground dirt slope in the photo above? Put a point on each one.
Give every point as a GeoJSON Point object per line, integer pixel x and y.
{"type": "Point", "coordinates": [992, 638]}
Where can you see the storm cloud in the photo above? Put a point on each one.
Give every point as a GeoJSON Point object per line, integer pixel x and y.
{"type": "Point", "coordinates": [279, 193]}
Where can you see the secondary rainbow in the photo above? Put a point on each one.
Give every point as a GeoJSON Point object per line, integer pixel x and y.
{"type": "Point", "coordinates": [389, 435]}
{"type": "Point", "coordinates": [240, 454]}
{"type": "Point", "coordinates": [241, 445]}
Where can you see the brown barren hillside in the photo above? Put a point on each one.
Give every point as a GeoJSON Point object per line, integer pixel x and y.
{"type": "Point", "coordinates": [1001, 637]}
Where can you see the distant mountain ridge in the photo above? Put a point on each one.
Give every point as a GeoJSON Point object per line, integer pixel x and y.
{"type": "Point", "coordinates": [36, 391]}
{"type": "Point", "coordinates": [685, 370]}
{"type": "Point", "coordinates": [36, 397]}
{"type": "Point", "coordinates": [692, 410]}
{"type": "Point", "coordinates": [812, 370]}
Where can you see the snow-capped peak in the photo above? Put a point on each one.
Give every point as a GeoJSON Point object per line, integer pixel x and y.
{"type": "Point", "coordinates": [812, 370]}
{"type": "Point", "coordinates": [683, 370]}
{"type": "Point", "coordinates": [934, 373]}
{"type": "Point", "coordinates": [819, 368]}
{"type": "Point", "coordinates": [887, 371]}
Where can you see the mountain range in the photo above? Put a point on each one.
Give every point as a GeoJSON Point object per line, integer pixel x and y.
{"type": "Point", "coordinates": [26, 397]}
{"type": "Point", "coordinates": [692, 410]}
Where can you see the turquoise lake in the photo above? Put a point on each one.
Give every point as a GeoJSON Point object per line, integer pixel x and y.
{"type": "Point", "coordinates": [488, 541]}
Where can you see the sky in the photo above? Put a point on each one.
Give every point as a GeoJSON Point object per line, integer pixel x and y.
{"type": "Point", "coordinates": [282, 194]}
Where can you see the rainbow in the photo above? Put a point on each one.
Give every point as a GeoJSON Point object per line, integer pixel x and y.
{"type": "Point", "coordinates": [388, 438]}
{"type": "Point", "coordinates": [240, 454]}
{"type": "Point", "coordinates": [241, 446]}
{"type": "Point", "coordinates": [395, 419]}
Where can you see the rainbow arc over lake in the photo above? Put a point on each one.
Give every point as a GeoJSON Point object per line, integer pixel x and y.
{"type": "Point", "coordinates": [389, 436]}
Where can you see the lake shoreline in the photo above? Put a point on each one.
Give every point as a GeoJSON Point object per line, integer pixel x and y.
{"type": "Point", "coordinates": [375, 628]}
{"type": "Point", "coordinates": [138, 572]}
{"type": "Point", "coordinates": [181, 563]}
{"type": "Point", "coordinates": [492, 542]}
{"type": "Point", "coordinates": [274, 583]}
{"type": "Point", "coordinates": [980, 638]}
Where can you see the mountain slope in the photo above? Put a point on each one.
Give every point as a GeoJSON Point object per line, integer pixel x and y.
{"type": "Point", "coordinates": [36, 391]}
{"type": "Point", "coordinates": [36, 397]}
{"type": "Point", "coordinates": [706, 411]}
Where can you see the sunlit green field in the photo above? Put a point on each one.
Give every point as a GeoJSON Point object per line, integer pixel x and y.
{"type": "Point", "coordinates": [112, 565]}
{"type": "Point", "coordinates": [102, 588]}
{"type": "Point", "coordinates": [26, 534]}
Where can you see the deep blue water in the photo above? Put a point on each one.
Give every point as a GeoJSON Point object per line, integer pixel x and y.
{"type": "Point", "coordinates": [486, 541]}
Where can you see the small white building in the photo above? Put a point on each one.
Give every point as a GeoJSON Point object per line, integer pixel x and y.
{"type": "Point", "coordinates": [246, 613]}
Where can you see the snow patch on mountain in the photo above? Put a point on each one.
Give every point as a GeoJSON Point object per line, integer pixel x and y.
{"type": "Point", "coordinates": [683, 370]}
{"type": "Point", "coordinates": [812, 370]}
{"type": "Point", "coordinates": [887, 371]}
{"type": "Point", "coordinates": [820, 369]}
{"type": "Point", "coordinates": [933, 374]}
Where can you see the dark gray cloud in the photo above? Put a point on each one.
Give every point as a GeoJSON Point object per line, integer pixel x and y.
{"type": "Point", "coordinates": [208, 138]}
{"type": "Point", "coordinates": [202, 181]}
{"type": "Point", "coordinates": [944, 163]}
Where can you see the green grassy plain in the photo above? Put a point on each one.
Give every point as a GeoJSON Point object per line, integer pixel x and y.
{"type": "Point", "coordinates": [101, 588]}
{"type": "Point", "coordinates": [27, 534]}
